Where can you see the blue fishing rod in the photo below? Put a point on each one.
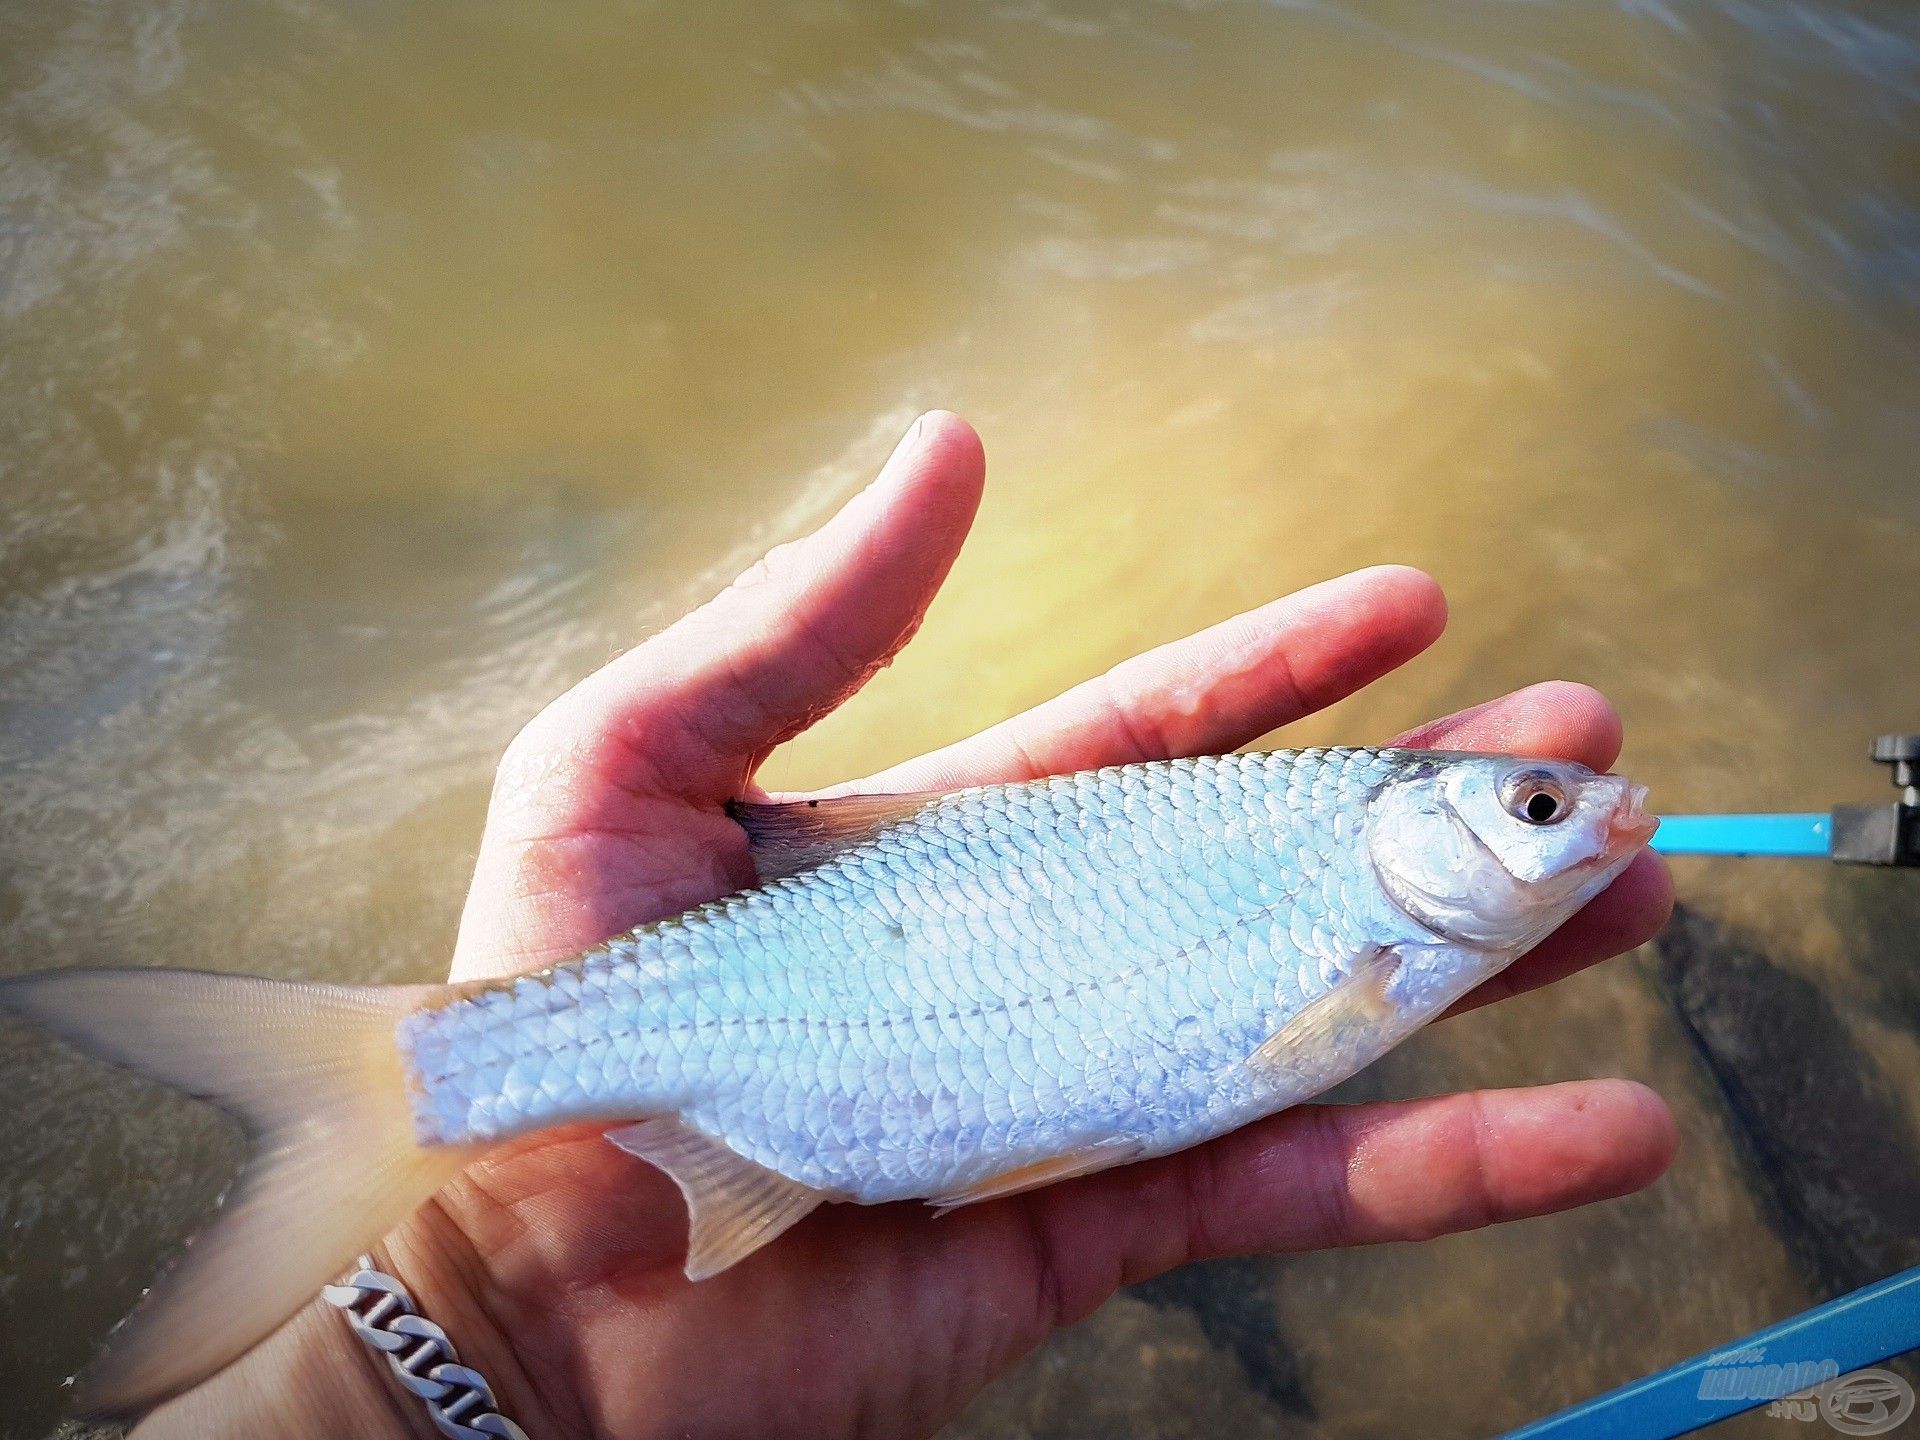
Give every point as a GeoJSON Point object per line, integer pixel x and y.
{"type": "Point", "coordinates": [1849, 834]}
{"type": "Point", "coordinates": [1809, 1350]}
{"type": "Point", "coordinates": [1814, 1348]}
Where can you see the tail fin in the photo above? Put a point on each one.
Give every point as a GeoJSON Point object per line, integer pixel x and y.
{"type": "Point", "coordinates": [314, 1076]}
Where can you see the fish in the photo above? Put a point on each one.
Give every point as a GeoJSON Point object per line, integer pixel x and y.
{"type": "Point", "coordinates": [948, 997]}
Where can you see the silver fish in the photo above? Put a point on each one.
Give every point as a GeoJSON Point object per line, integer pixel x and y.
{"type": "Point", "coordinates": [951, 997]}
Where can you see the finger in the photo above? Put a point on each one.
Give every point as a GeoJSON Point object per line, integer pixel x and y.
{"type": "Point", "coordinates": [1557, 719]}
{"type": "Point", "coordinates": [1211, 692]}
{"type": "Point", "coordinates": [1359, 1175]}
{"type": "Point", "coordinates": [700, 704]}
{"type": "Point", "coordinates": [1326, 1175]}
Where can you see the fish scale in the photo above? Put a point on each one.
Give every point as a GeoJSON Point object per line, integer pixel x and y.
{"type": "Point", "coordinates": [1031, 959]}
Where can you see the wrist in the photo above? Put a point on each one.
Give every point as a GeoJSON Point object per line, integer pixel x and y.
{"type": "Point", "coordinates": [443, 1273]}
{"type": "Point", "coordinates": [316, 1378]}
{"type": "Point", "coordinates": [310, 1379]}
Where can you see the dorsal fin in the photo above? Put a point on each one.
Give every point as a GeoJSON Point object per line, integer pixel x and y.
{"type": "Point", "coordinates": [800, 834]}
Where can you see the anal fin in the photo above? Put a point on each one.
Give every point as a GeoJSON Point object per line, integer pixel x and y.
{"type": "Point", "coordinates": [1101, 1155]}
{"type": "Point", "coordinates": [734, 1206]}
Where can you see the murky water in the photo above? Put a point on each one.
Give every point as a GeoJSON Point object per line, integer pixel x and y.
{"type": "Point", "coordinates": [368, 372]}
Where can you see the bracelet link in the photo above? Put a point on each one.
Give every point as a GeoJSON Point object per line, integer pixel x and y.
{"type": "Point", "coordinates": [422, 1358]}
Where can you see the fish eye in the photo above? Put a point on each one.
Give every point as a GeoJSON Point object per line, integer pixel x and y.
{"type": "Point", "coordinates": [1535, 797]}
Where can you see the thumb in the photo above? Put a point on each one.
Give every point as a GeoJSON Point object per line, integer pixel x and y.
{"type": "Point", "coordinates": [693, 711]}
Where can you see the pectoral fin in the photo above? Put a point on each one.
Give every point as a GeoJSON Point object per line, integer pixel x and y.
{"type": "Point", "coordinates": [734, 1206]}
{"type": "Point", "coordinates": [799, 835]}
{"type": "Point", "coordinates": [1358, 1001]}
{"type": "Point", "coordinates": [1101, 1155]}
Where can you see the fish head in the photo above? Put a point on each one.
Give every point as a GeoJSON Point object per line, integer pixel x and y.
{"type": "Point", "coordinates": [1495, 851]}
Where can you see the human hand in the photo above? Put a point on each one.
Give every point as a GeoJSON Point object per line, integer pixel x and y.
{"type": "Point", "coordinates": [555, 1262]}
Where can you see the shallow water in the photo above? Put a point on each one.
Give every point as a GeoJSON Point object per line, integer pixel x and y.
{"type": "Point", "coordinates": [369, 372]}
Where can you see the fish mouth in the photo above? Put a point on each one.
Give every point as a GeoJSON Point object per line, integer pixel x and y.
{"type": "Point", "coordinates": [1629, 827]}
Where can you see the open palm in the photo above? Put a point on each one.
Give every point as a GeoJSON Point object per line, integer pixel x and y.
{"type": "Point", "coordinates": [555, 1263]}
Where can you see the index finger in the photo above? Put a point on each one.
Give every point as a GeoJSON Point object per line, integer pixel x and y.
{"type": "Point", "coordinates": [1211, 692]}
{"type": "Point", "coordinates": [1554, 720]}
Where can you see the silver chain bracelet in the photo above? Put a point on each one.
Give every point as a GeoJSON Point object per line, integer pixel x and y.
{"type": "Point", "coordinates": [420, 1355]}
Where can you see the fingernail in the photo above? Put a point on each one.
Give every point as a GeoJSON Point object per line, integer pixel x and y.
{"type": "Point", "coordinates": [907, 445]}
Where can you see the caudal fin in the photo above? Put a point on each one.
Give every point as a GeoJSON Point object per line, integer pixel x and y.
{"type": "Point", "coordinates": [314, 1077]}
